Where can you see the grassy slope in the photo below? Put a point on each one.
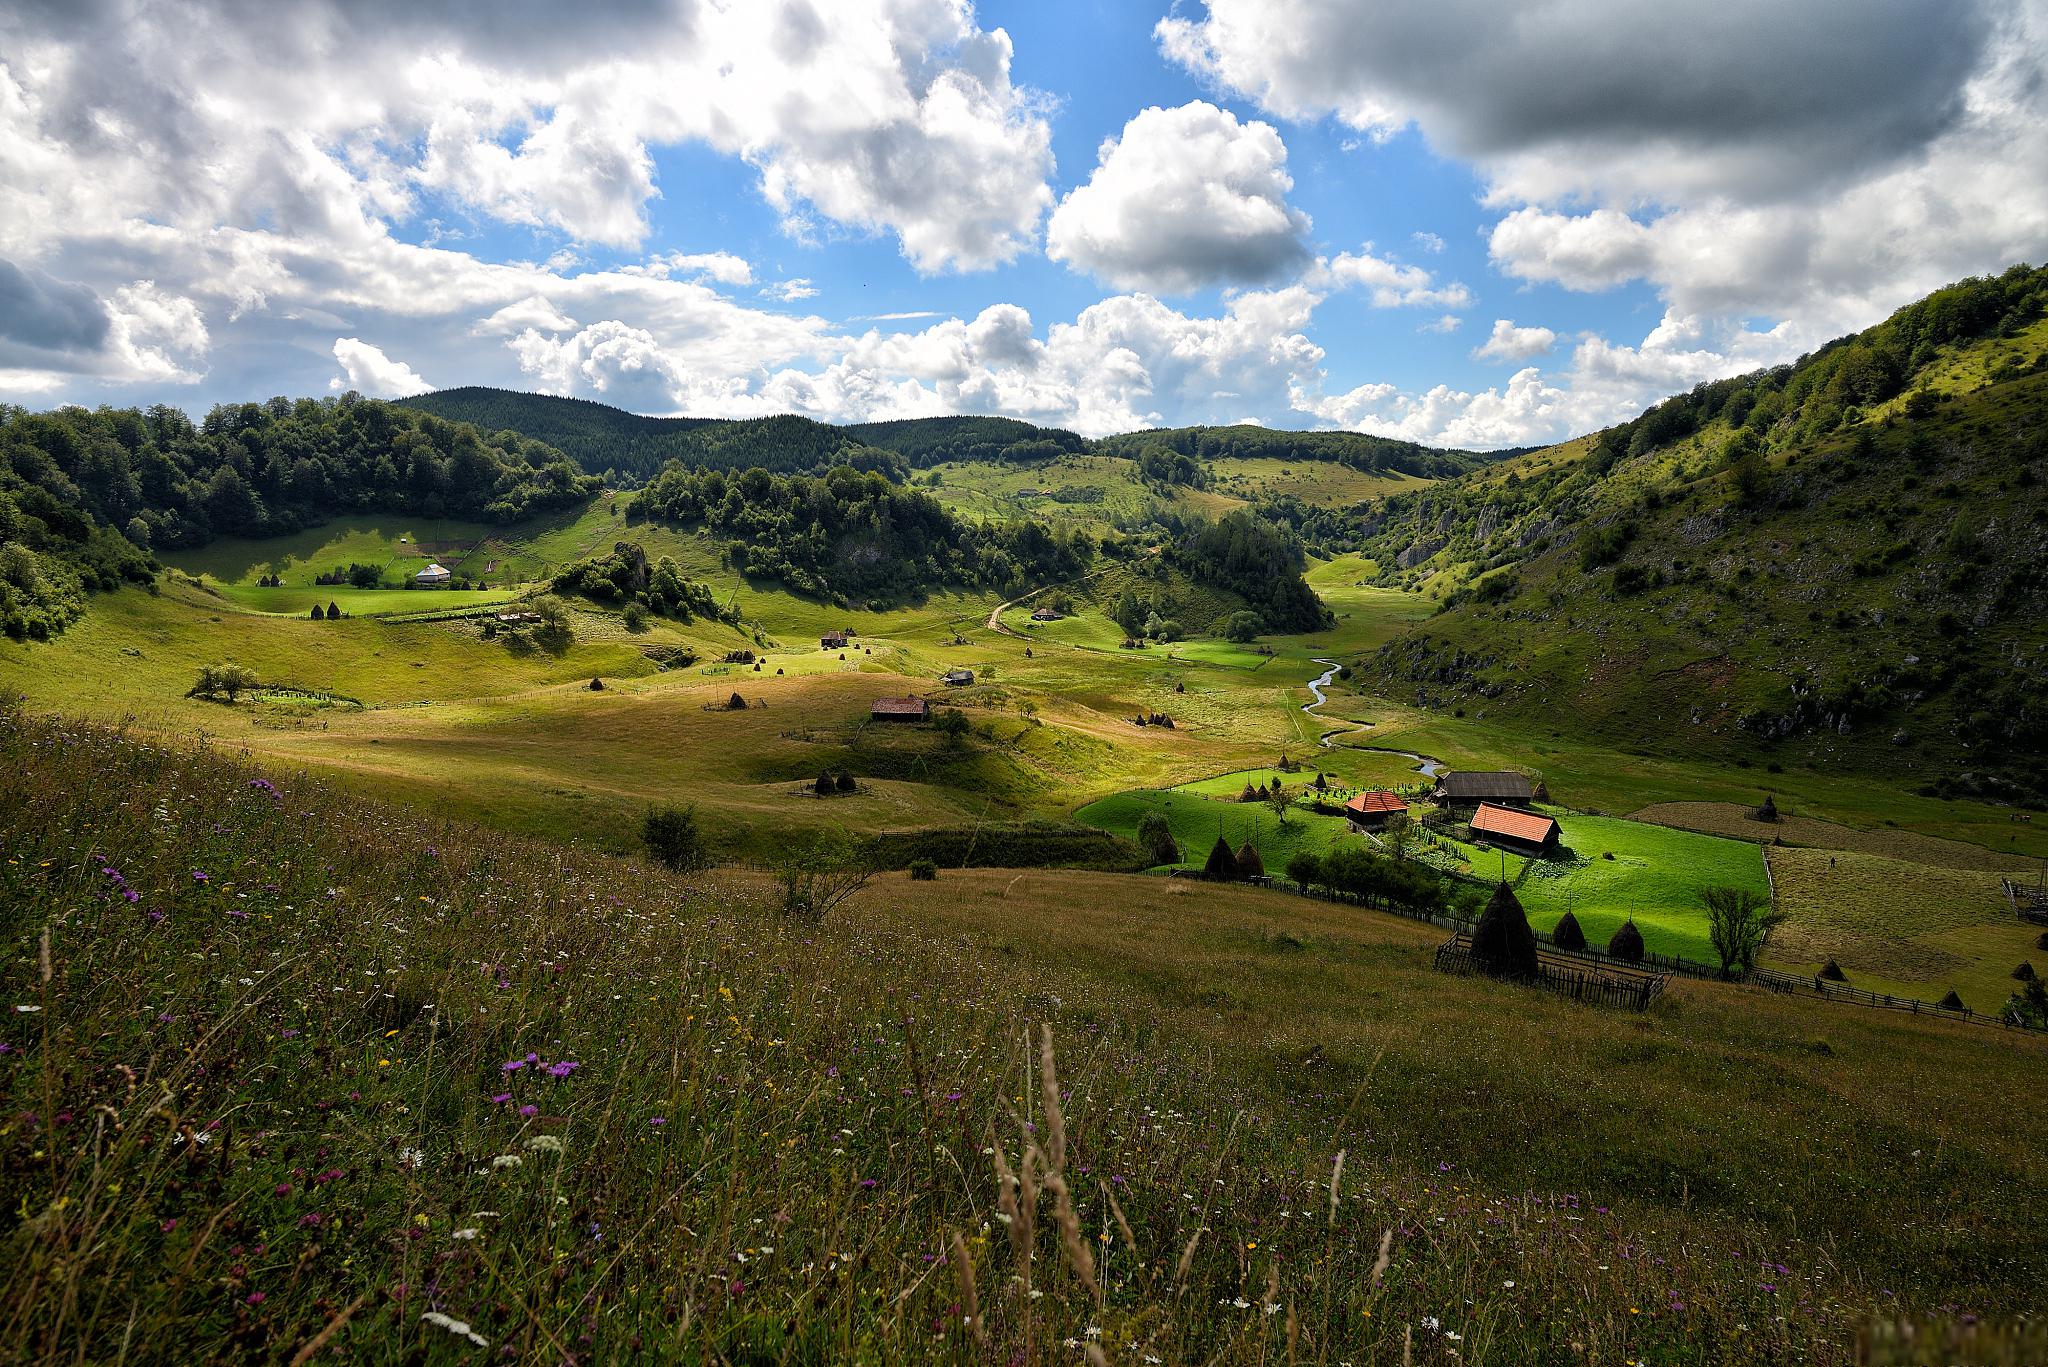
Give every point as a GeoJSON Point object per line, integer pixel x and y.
{"type": "Point", "coordinates": [343, 990]}
{"type": "Point", "coordinates": [1770, 608]}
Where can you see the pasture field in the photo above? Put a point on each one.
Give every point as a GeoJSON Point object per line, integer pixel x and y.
{"type": "Point", "coordinates": [555, 1099]}
{"type": "Point", "coordinates": [506, 733]}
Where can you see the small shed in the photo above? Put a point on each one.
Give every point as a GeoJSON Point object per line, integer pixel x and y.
{"type": "Point", "coordinates": [1471, 787]}
{"type": "Point", "coordinates": [1529, 833]}
{"type": "Point", "coordinates": [832, 640]}
{"type": "Point", "coordinates": [1374, 811]}
{"type": "Point", "coordinates": [900, 709]}
{"type": "Point", "coordinates": [1045, 615]}
{"type": "Point", "coordinates": [433, 576]}
{"type": "Point", "coordinates": [957, 678]}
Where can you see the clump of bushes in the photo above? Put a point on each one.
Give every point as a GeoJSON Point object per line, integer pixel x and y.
{"type": "Point", "coordinates": [673, 838]}
{"type": "Point", "coordinates": [923, 871]}
{"type": "Point", "coordinates": [1155, 838]}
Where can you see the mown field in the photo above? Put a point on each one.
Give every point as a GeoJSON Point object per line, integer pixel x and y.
{"type": "Point", "coordinates": [305, 1075]}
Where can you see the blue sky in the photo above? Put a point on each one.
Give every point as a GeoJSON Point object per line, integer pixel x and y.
{"type": "Point", "coordinates": [1457, 222]}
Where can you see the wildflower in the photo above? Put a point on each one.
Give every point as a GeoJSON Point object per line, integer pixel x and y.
{"type": "Point", "coordinates": [544, 1143]}
{"type": "Point", "coordinates": [253, 1298]}
{"type": "Point", "coordinates": [507, 1160]}
{"type": "Point", "coordinates": [562, 1069]}
{"type": "Point", "coordinates": [199, 877]}
{"type": "Point", "coordinates": [659, 1121]}
{"type": "Point", "coordinates": [529, 1111]}
{"type": "Point", "coordinates": [411, 1158]}
{"type": "Point", "coordinates": [464, 1234]}
{"type": "Point", "coordinates": [459, 1328]}
{"type": "Point", "coordinates": [501, 1098]}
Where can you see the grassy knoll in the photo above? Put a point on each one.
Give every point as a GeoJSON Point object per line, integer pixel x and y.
{"type": "Point", "coordinates": [1197, 821]}
{"type": "Point", "coordinates": [1654, 878]}
{"type": "Point", "coordinates": [303, 1065]}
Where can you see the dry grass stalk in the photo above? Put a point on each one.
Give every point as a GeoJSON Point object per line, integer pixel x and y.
{"type": "Point", "coordinates": [1379, 1264]}
{"type": "Point", "coordinates": [1336, 1175]}
{"type": "Point", "coordinates": [1069, 1222]}
{"type": "Point", "coordinates": [963, 1267]}
{"type": "Point", "coordinates": [1123, 1226]}
{"type": "Point", "coordinates": [1055, 1118]}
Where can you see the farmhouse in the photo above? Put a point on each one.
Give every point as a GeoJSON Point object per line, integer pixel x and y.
{"type": "Point", "coordinates": [1501, 787]}
{"type": "Point", "coordinates": [957, 678]}
{"type": "Point", "coordinates": [832, 640]}
{"type": "Point", "coordinates": [900, 709]}
{"type": "Point", "coordinates": [518, 619]}
{"type": "Point", "coordinates": [433, 576]}
{"type": "Point", "coordinates": [1045, 615]}
{"type": "Point", "coordinates": [1522, 832]}
{"type": "Point", "coordinates": [1374, 811]}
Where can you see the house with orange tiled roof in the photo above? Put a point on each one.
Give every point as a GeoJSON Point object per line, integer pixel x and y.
{"type": "Point", "coordinates": [1375, 810]}
{"type": "Point", "coordinates": [1530, 833]}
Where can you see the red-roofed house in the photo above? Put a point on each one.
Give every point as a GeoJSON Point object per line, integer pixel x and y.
{"type": "Point", "coordinates": [1374, 811]}
{"type": "Point", "coordinates": [1522, 832]}
{"type": "Point", "coordinates": [900, 709]}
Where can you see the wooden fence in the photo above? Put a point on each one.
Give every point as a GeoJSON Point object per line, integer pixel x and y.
{"type": "Point", "coordinates": [1614, 984]}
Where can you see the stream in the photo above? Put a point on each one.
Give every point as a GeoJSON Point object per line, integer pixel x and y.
{"type": "Point", "coordinates": [1430, 767]}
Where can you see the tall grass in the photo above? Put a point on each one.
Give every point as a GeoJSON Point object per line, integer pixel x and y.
{"type": "Point", "coordinates": [289, 1074]}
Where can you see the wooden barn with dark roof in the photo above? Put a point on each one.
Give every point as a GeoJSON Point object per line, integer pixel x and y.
{"type": "Point", "coordinates": [1530, 833]}
{"type": "Point", "coordinates": [900, 709]}
{"type": "Point", "coordinates": [1470, 787]}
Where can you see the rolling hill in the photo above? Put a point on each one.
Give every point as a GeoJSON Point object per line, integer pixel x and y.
{"type": "Point", "coordinates": [1838, 562]}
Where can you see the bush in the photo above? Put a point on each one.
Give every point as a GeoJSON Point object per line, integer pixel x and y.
{"type": "Point", "coordinates": [1627, 943]}
{"type": "Point", "coordinates": [1567, 935]}
{"type": "Point", "coordinates": [673, 839]}
{"type": "Point", "coordinates": [1305, 868]}
{"type": "Point", "coordinates": [923, 871]}
{"type": "Point", "coordinates": [636, 617]}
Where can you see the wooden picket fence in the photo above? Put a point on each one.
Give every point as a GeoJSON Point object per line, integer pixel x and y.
{"type": "Point", "coordinates": [1615, 983]}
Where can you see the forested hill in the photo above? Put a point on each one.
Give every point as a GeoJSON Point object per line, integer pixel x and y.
{"type": "Point", "coordinates": [1839, 561]}
{"type": "Point", "coordinates": [603, 439]}
{"type": "Point", "coordinates": [1177, 455]}
{"type": "Point", "coordinates": [85, 495]}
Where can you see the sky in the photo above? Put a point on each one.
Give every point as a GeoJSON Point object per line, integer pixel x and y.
{"type": "Point", "coordinates": [1461, 222]}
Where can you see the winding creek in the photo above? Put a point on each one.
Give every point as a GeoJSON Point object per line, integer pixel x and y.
{"type": "Point", "coordinates": [1430, 767]}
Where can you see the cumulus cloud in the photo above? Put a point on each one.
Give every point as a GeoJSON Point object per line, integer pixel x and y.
{"type": "Point", "coordinates": [724, 267]}
{"type": "Point", "coordinates": [367, 370]}
{"type": "Point", "coordinates": [1183, 199]}
{"type": "Point", "coordinates": [1509, 343]}
{"type": "Point", "coordinates": [1448, 323]}
{"type": "Point", "coordinates": [1387, 283]}
{"type": "Point", "coordinates": [1755, 156]}
{"type": "Point", "coordinates": [790, 291]}
{"type": "Point", "coordinates": [1428, 242]}
{"type": "Point", "coordinates": [891, 116]}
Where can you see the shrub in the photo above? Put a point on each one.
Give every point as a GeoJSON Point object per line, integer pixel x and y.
{"type": "Point", "coordinates": [923, 871]}
{"type": "Point", "coordinates": [1502, 943]}
{"type": "Point", "coordinates": [1305, 868]}
{"type": "Point", "coordinates": [673, 839]}
{"type": "Point", "coordinates": [1567, 935]}
{"type": "Point", "coordinates": [1627, 942]}
{"type": "Point", "coordinates": [636, 617]}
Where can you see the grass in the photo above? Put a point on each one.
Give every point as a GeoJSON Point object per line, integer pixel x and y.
{"type": "Point", "coordinates": [292, 1096]}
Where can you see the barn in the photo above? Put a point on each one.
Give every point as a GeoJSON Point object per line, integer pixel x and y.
{"type": "Point", "coordinates": [1529, 833]}
{"type": "Point", "coordinates": [432, 577]}
{"type": "Point", "coordinates": [957, 678]}
{"type": "Point", "coordinates": [900, 709]}
{"type": "Point", "coordinates": [832, 640]}
{"type": "Point", "coordinates": [1470, 787]}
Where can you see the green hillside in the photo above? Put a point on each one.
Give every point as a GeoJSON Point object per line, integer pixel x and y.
{"type": "Point", "coordinates": [602, 438]}
{"type": "Point", "coordinates": [1834, 563]}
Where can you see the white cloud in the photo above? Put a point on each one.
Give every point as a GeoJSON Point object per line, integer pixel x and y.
{"type": "Point", "coordinates": [1744, 158]}
{"type": "Point", "coordinates": [790, 291]}
{"type": "Point", "coordinates": [1603, 384]}
{"type": "Point", "coordinates": [1387, 283]}
{"type": "Point", "coordinates": [1509, 343]}
{"type": "Point", "coordinates": [1449, 323]}
{"type": "Point", "coordinates": [533, 313]}
{"type": "Point", "coordinates": [1428, 242]}
{"type": "Point", "coordinates": [895, 116]}
{"type": "Point", "coordinates": [724, 267]}
{"type": "Point", "coordinates": [1183, 199]}
{"type": "Point", "coordinates": [370, 372]}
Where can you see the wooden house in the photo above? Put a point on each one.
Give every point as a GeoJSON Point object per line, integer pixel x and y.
{"type": "Point", "coordinates": [832, 640]}
{"type": "Point", "coordinates": [900, 709]}
{"type": "Point", "coordinates": [1529, 833]}
{"type": "Point", "coordinates": [1471, 787]}
{"type": "Point", "coordinates": [1374, 811]}
{"type": "Point", "coordinates": [957, 678]}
